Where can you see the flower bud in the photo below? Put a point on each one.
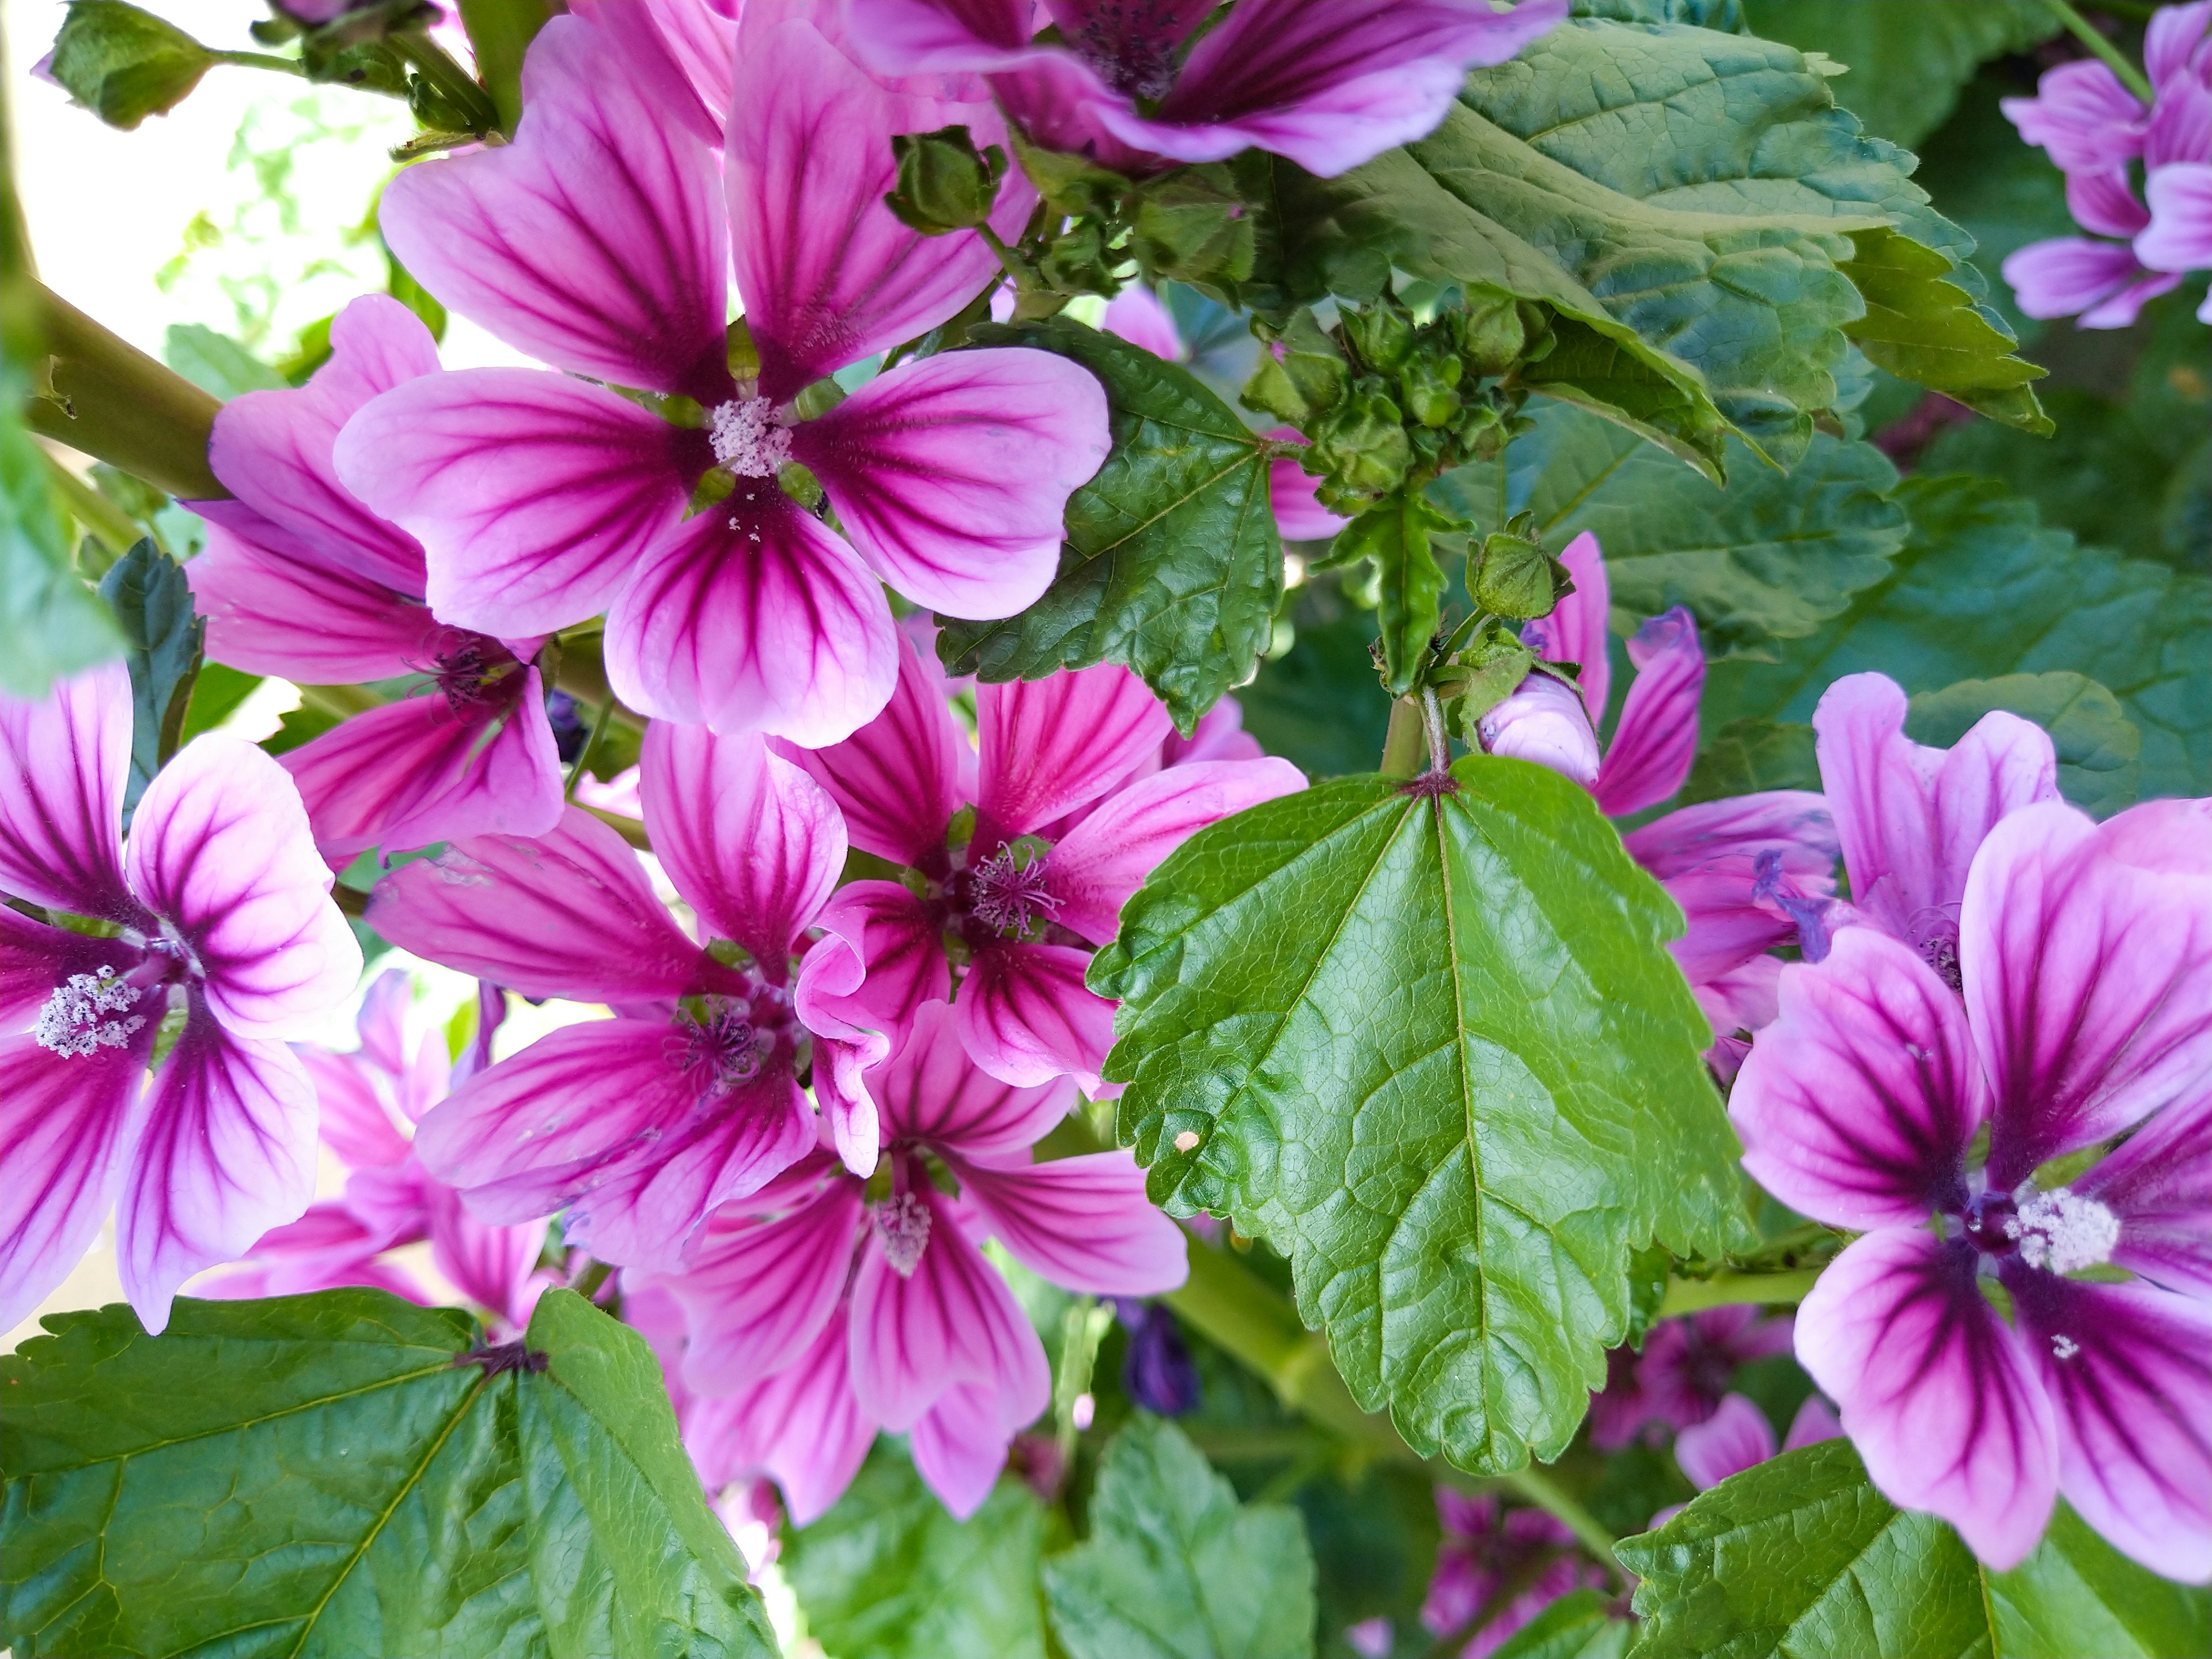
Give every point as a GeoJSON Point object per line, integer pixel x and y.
{"type": "Point", "coordinates": [1188, 228]}
{"type": "Point", "coordinates": [943, 184]}
{"type": "Point", "coordinates": [1491, 335]}
{"type": "Point", "coordinates": [1543, 721]}
{"type": "Point", "coordinates": [1516, 577]}
{"type": "Point", "coordinates": [1363, 445]}
{"type": "Point", "coordinates": [1301, 376]}
{"type": "Point", "coordinates": [1383, 334]}
{"type": "Point", "coordinates": [124, 65]}
{"type": "Point", "coordinates": [1429, 386]}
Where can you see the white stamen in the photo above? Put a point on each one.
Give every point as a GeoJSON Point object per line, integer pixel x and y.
{"type": "Point", "coordinates": [902, 1225]}
{"type": "Point", "coordinates": [70, 1023]}
{"type": "Point", "coordinates": [2061, 1231]}
{"type": "Point", "coordinates": [747, 440]}
{"type": "Point", "coordinates": [2064, 1346]}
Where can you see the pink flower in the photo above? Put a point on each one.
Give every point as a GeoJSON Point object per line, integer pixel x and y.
{"type": "Point", "coordinates": [216, 926]}
{"type": "Point", "coordinates": [816, 1314]}
{"type": "Point", "coordinates": [2177, 236]}
{"type": "Point", "coordinates": [300, 579]}
{"type": "Point", "coordinates": [639, 1124]}
{"type": "Point", "coordinates": [2086, 963]}
{"type": "Point", "coordinates": [1071, 811]}
{"type": "Point", "coordinates": [1737, 1436]}
{"type": "Point", "coordinates": [598, 242]}
{"type": "Point", "coordinates": [1329, 83]}
{"type": "Point", "coordinates": [1486, 1552]}
{"type": "Point", "coordinates": [1683, 1373]}
{"type": "Point", "coordinates": [371, 1099]}
{"type": "Point", "coordinates": [1750, 873]}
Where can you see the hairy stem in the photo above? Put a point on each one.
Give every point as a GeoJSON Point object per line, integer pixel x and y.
{"type": "Point", "coordinates": [2087, 32]}
{"type": "Point", "coordinates": [1725, 1289]}
{"type": "Point", "coordinates": [260, 60]}
{"type": "Point", "coordinates": [1404, 747]}
{"type": "Point", "coordinates": [114, 403]}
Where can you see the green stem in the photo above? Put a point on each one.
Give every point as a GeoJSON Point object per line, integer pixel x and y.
{"type": "Point", "coordinates": [594, 1274]}
{"type": "Point", "coordinates": [2087, 32]}
{"type": "Point", "coordinates": [342, 701]}
{"type": "Point", "coordinates": [1406, 745]}
{"type": "Point", "coordinates": [1544, 1493]}
{"type": "Point", "coordinates": [628, 829]}
{"type": "Point", "coordinates": [592, 742]}
{"type": "Point", "coordinates": [436, 65]}
{"type": "Point", "coordinates": [118, 406]}
{"type": "Point", "coordinates": [1725, 1289]}
{"type": "Point", "coordinates": [260, 60]}
{"type": "Point", "coordinates": [106, 523]}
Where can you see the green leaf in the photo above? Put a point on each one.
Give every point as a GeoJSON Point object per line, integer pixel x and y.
{"type": "Point", "coordinates": [216, 363]}
{"type": "Point", "coordinates": [1175, 1568]}
{"type": "Point", "coordinates": [1981, 590]}
{"type": "Point", "coordinates": [161, 635]}
{"type": "Point", "coordinates": [2097, 745]}
{"type": "Point", "coordinates": [1801, 1555]}
{"type": "Point", "coordinates": [1921, 326]}
{"type": "Point", "coordinates": [329, 1473]}
{"type": "Point", "coordinates": [1395, 535]}
{"type": "Point", "coordinates": [1768, 555]}
{"type": "Point", "coordinates": [216, 694]}
{"type": "Point", "coordinates": [124, 65]}
{"type": "Point", "coordinates": [1320, 704]}
{"type": "Point", "coordinates": [1172, 564]}
{"type": "Point", "coordinates": [1433, 1049]}
{"type": "Point", "coordinates": [1746, 757]}
{"type": "Point", "coordinates": [298, 726]}
{"type": "Point", "coordinates": [888, 1574]}
{"type": "Point", "coordinates": [1578, 1626]}
{"type": "Point", "coordinates": [53, 624]}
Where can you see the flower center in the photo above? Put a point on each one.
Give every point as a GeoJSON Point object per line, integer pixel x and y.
{"type": "Point", "coordinates": [1010, 894]}
{"type": "Point", "coordinates": [75, 1020]}
{"type": "Point", "coordinates": [468, 666]}
{"type": "Point", "coordinates": [747, 438]}
{"type": "Point", "coordinates": [720, 1042]}
{"type": "Point", "coordinates": [2061, 1230]}
{"type": "Point", "coordinates": [1131, 47]}
{"type": "Point", "coordinates": [1942, 953]}
{"type": "Point", "coordinates": [902, 1224]}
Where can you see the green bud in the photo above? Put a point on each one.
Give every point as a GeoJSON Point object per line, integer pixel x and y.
{"type": "Point", "coordinates": [124, 65]}
{"type": "Point", "coordinates": [1073, 186]}
{"type": "Point", "coordinates": [1429, 386]}
{"type": "Point", "coordinates": [1076, 262]}
{"type": "Point", "coordinates": [1491, 666]}
{"type": "Point", "coordinates": [1364, 445]}
{"type": "Point", "coordinates": [1189, 227]}
{"type": "Point", "coordinates": [743, 355]}
{"type": "Point", "coordinates": [1301, 376]}
{"type": "Point", "coordinates": [1490, 336]}
{"type": "Point", "coordinates": [943, 184]}
{"type": "Point", "coordinates": [1516, 576]}
{"type": "Point", "coordinates": [1382, 334]}
{"type": "Point", "coordinates": [798, 481]}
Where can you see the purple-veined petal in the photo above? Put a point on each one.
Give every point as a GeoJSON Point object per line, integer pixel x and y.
{"type": "Point", "coordinates": [1739, 906]}
{"type": "Point", "coordinates": [69, 1124]}
{"type": "Point", "coordinates": [1137, 315]}
{"type": "Point", "coordinates": [381, 1023]}
{"type": "Point", "coordinates": [904, 37]}
{"type": "Point", "coordinates": [1745, 997]}
{"type": "Point", "coordinates": [1107, 856]}
{"type": "Point", "coordinates": [2179, 130]}
{"type": "Point", "coordinates": [929, 1090]}
{"type": "Point", "coordinates": [1857, 1103]}
{"type": "Point", "coordinates": [535, 495]}
{"type": "Point", "coordinates": [419, 770]}
{"type": "Point", "coordinates": [1939, 1394]}
{"type": "Point", "coordinates": [63, 762]}
{"type": "Point", "coordinates": [1062, 104]}
{"type": "Point", "coordinates": [355, 1125]}
{"type": "Point", "coordinates": [841, 1095]}
{"type": "Point", "coordinates": [959, 1445]}
{"type": "Point", "coordinates": [273, 449]}
{"type": "Point", "coordinates": [1736, 1437]}
{"type": "Point", "coordinates": [1816, 1421]}
{"type": "Point", "coordinates": [327, 1249]}
{"type": "Point", "coordinates": [1793, 822]}
{"type": "Point", "coordinates": [2129, 1370]}
{"type": "Point", "coordinates": [754, 845]}
{"type": "Point", "coordinates": [951, 475]}
{"type": "Point", "coordinates": [595, 241]}
{"type": "Point", "coordinates": [1026, 1016]}
{"type": "Point", "coordinates": [754, 616]}
{"type": "Point", "coordinates": [1291, 493]}
{"type": "Point", "coordinates": [35, 958]}
{"type": "Point", "coordinates": [1543, 721]}
{"type": "Point", "coordinates": [1576, 631]}
{"type": "Point", "coordinates": [2174, 35]}
{"type": "Point", "coordinates": [2106, 203]}
{"type": "Point", "coordinates": [2087, 952]}
{"type": "Point", "coordinates": [898, 779]}
{"type": "Point", "coordinates": [568, 914]}
{"type": "Point", "coordinates": [1082, 1223]}
{"type": "Point", "coordinates": [2159, 1183]}
{"type": "Point", "coordinates": [227, 1152]}
{"type": "Point", "coordinates": [802, 1428]}
{"type": "Point", "coordinates": [1219, 735]}
{"type": "Point", "coordinates": [2102, 281]}
{"type": "Point", "coordinates": [1656, 741]}
{"type": "Point", "coordinates": [493, 1267]}
{"type": "Point", "coordinates": [880, 960]}
{"type": "Point", "coordinates": [222, 851]}
{"type": "Point", "coordinates": [2081, 116]}
{"type": "Point", "coordinates": [1049, 746]}
{"type": "Point", "coordinates": [827, 274]}
{"type": "Point", "coordinates": [2179, 235]}
{"type": "Point", "coordinates": [674, 46]}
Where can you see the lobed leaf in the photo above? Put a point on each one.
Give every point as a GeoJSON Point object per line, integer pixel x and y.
{"type": "Point", "coordinates": [2097, 745]}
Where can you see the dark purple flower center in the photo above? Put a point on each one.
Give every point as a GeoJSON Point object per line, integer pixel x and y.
{"type": "Point", "coordinates": [1008, 893]}
{"type": "Point", "coordinates": [1991, 1224]}
{"type": "Point", "coordinates": [2060, 1230]}
{"type": "Point", "coordinates": [1132, 45]}
{"type": "Point", "coordinates": [723, 1041]}
{"type": "Point", "coordinates": [902, 1224]}
{"type": "Point", "coordinates": [469, 668]}
{"type": "Point", "coordinates": [1942, 953]}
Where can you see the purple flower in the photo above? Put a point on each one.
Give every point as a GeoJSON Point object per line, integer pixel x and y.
{"type": "Point", "coordinates": [1157, 1372]}
{"type": "Point", "coordinates": [598, 242]}
{"type": "Point", "coordinates": [1737, 1436]}
{"type": "Point", "coordinates": [639, 1124]}
{"type": "Point", "coordinates": [370, 1100]}
{"type": "Point", "coordinates": [1683, 1373]}
{"type": "Point", "coordinates": [817, 1314]}
{"type": "Point", "coordinates": [2086, 959]}
{"type": "Point", "coordinates": [300, 579]}
{"type": "Point", "coordinates": [2177, 236]}
{"type": "Point", "coordinates": [1487, 1552]}
{"type": "Point", "coordinates": [1070, 811]}
{"type": "Point", "coordinates": [212, 931]}
{"type": "Point", "coordinates": [1329, 83]}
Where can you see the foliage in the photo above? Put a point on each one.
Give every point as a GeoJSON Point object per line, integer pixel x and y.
{"type": "Point", "coordinates": [162, 637]}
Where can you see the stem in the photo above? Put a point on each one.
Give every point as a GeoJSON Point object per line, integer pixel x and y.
{"type": "Point", "coordinates": [628, 829]}
{"type": "Point", "coordinates": [992, 241]}
{"type": "Point", "coordinates": [1544, 1493]}
{"type": "Point", "coordinates": [586, 1281]}
{"type": "Point", "coordinates": [1433, 721]}
{"type": "Point", "coordinates": [260, 60]}
{"type": "Point", "coordinates": [106, 523]}
{"type": "Point", "coordinates": [1401, 748]}
{"type": "Point", "coordinates": [1725, 1289]}
{"type": "Point", "coordinates": [2086, 32]}
{"type": "Point", "coordinates": [342, 701]}
{"type": "Point", "coordinates": [435, 64]}
{"type": "Point", "coordinates": [120, 406]}
{"type": "Point", "coordinates": [584, 755]}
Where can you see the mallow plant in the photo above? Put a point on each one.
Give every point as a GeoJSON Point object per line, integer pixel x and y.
{"type": "Point", "coordinates": [1172, 827]}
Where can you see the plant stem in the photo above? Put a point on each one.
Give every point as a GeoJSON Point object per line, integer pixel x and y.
{"type": "Point", "coordinates": [106, 523]}
{"type": "Point", "coordinates": [584, 755]}
{"type": "Point", "coordinates": [499, 32]}
{"type": "Point", "coordinates": [1725, 1289]}
{"type": "Point", "coordinates": [2087, 32]}
{"type": "Point", "coordinates": [628, 829]}
{"type": "Point", "coordinates": [120, 406]}
{"type": "Point", "coordinates": [1544, 1493]}
{"type": "Point", "coordinates": [1408, 737]}
{"type": "Point", "coordinates": [342, 701]}
{"type": "Point", "coordinates": [260, 60]}
{"type": "Point", "coordinates": [1433, 723]}
{"type": "Point", "coordinates": [436, 65]}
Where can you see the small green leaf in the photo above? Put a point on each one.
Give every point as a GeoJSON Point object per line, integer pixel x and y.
{"type": "Point", "coordinates": [1746, 757]}
{"type": "Point", "coordinates": [124, 65]}
{"type": "Point", "coordinates": [1432, 1047]}
{"type": "Point", "coordinates": [1922, 326]}
{"type": "Point", "coordinates": [2098, 744]}
{"type": "Point", "coordinates": [52, 622]}
{"type": "Point", "coordinates": [1395, 535]}
{"type": "Point", "coordinates": [153, 602]}
{"type": "Point", "coordinates": [298, 726]}
{"type": "Point", "coordinates": [1172, 564]}
{"type": "Point", "coordinates": [1175, 1568]}
{"type": "Point", "coordinates": [1578, 1626]}
{"type": "Point", "coordinates": [215, 363]}
{"type": "Point", "coordinates": [890, 1574]}
{"type": "Point", "coordinates": [217, 693]}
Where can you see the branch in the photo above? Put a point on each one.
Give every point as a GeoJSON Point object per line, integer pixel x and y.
{"type": "Point", "coordinates": [1725, 1289]}
{"type": "Point", "coordinates": [116, 404]}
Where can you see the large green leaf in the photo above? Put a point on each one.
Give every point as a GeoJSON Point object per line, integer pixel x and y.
{"type": "Point", "coordinates": [1923, 325]}
{"type": "Point", "coordinates": [1578, 1626]}
{"type": "Point", "coordinates": [1175, 1568]}
{"type": "Point", "coordinates": [2097, 745]}
{"type": "Point", "coordinates": [1801, 1555]}
{"type": "Point", "coordinates": [889, 1574]}
{"type": "Point", "coordinates": [1172, 564]}
{"type": "Point", "coordinates": [1432, 1047]}
{"type": "Point", "coordinates": [161, 633]}
{"type": "Point", "coordinates": [1746, 757]}
{"type": "Point", "coordinates": [1982, 589]}
{"type": "Point", "coordinates": [1768, 555]}
{"type": "Point", "coordinates": [330, 1473]}
{"type": "Point", "coordinates": [1319, 704]}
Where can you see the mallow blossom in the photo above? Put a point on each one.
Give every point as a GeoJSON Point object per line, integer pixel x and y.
{"type": "Point", "coordinates": [1141, 87]}
{"type": "Point", "coordinates": [300, 579]}
{"type": "Point", "coordinates": [1683, 1373]}
{"type": "Point", "coordinates": [1488, 1551]}
{"type": "Point", "coordinates": [371, 1098]}
{"type": "Point", "coordinates": [1019, 857]}
{"type": "Point", "coordinates": [691, 1096]}
{"type": "Point", "coordinates": [1737, 1436]}
{"type": "Point", "coordinates": [598, 242]}
{"type": "Point", "coordinates": [205, 938]}
{"type": "Point", "coordinates": [1978, 1370]}
{"type": "Point", "coordinates": [825, 1307]}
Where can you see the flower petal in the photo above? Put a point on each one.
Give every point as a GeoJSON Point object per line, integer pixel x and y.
{"type": "Point", "coordinates": [1793, 822]}
{"type": "Point", "coordinates": [1051, 745]}
{"type": "Point", "coordinates": [2158, 1182]}
{"type": "Point", "coordinates": [1546, 721]}
{"type": "Point", "coordinates": [1137, 316]}
{"type": "Point", "coordinates": [1856, 1105]}
{"type": "Point", "coordinates": [2081, 116]}
{"type": "Point", "coordinates": [754, 616]}
{"type": "Point", "coordinates": [220, 848]}
{"type": "Point", "coordinates": [959, 1446]}
{"type": "Point", "coordinates": [2087, 952]}
{"type": "Point", "coordinates": [754, 845]}
{"type": "Point", "coordinates": [686, 44]}
{"type": "Point", "coordinates": [69, 1124]}
{"type": "Point", "coordinates": [905, 37]}
{"type": "Point", "coordinates": [1656, 741]}
{"type": "Point", "coordinates": [2179, 235]}
{"type": "Point", "coordinates": [228, 1152]}
{"type": "Point", "coordinates": [2106, 203]}
{"type": "Point", "coordinates": [1736, 1437]}
{"type": "Point", "coordinates": [1577, 630]}
{"type": "Point", "coordinates": [880, 960]}
{"type": "Point", "coordinates": [536, 495]}
{"type": "Point", "coordinates": [1939, 1394]}
{"type": "Point", "coordinates": [1026, 1017]}
{"type": "Point", "coordinates": [2068, 275]}
{"type": "Point", "coordinates": [493, 1267]}
{"type": "Point", "coordinates": [802, 1427]}
{"type": "Point", "coordinates": [35, 958]}
{"type": "Point", "coordinates": [1293, 495]}
{"type": "Point", "coordinates": [929, 1090]}
{"type": "Point", "coordinates": [568, 914]}
{"type": "Point", "coordinates": [1107, 856]}
{"type": "Point", "coordinates": [1219, 735]}
{"type": "Point", "coordinates": [63, 760]}
{"type": "Point", "coordinates": [898, 779]}
{"type": "Point", "coordinates": [1082, 1223]}
{"type": "Point", "coordinates": [594, 241]}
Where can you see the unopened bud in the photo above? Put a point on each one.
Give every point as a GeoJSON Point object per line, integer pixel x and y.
{"type": "Point", "coordinates": [1301, 376]}
{"type": "Point", "coordinates": [1363, 445]}
{"type": "Point", "coordinates": [1492, 336]}
{"type": "Point", "coordinates": [1382, 333]}
{"type": "Point", "coordinates": [1516, 577]}
{"type": "Point", "coordinates": [943, 184]}
{"type": "Point", "coordinates": [1190, 228]}
{"type": "Point", "coordinates": [1429, 386]}
{"type": "Point", "coordinates": [124, 65]}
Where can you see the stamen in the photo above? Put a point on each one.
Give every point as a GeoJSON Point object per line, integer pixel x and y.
{"type": "Point", "coordinates": [902, 1224]}
{"type": "Point", "coordinates": [1012, 897]}
{"type": "Point", "coordinates": [2064, 1346]}
{"type": "Point", "coordinates": [747, 439]}
{"type": "Point", "coordinates": [722, 1043]}
{"type": "Point", "coordinates": [70, 1024]}
{"type": "Point", "coordinates": [2062, 1231]}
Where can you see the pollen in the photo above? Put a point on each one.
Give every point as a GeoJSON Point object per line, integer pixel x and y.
{"type": "Point", "coordinates": [2061, 1230]}
{"type": "Point", "coordinates": [75, 1020]}
{"type": "Point", "coordinates": [1011, 896]}
{"type": "Point", "coordinates": [2064, 1346]}
{"type": "Point", "coordinates": [747, 439]}
{"type": "Point", "coordinates": [902, 1224]}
